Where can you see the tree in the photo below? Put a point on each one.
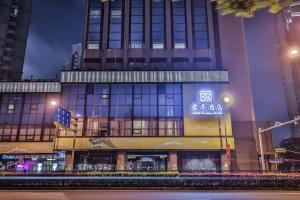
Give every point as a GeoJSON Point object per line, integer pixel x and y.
{"type": "Point", "coordinates": [247, 8]}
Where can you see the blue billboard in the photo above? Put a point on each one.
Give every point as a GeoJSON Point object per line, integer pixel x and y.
{"type": "Point", "coordinates": [62, 117]}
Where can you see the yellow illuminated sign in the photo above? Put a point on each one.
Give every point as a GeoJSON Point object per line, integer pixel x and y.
{"type": "Point", "coordinates": [140, 143]}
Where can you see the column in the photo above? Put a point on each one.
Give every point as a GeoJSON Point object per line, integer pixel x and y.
{"type": "Point", "coordinates": [172, 165]}
{"type": "Point", "coordinates": [169, 31]}
{"type": "Point", "coordinates": [147, 24]}
{"type": "Point", "coordinates": [68, 161]}
{"type": "Point", "coordinates": [126, 31]}
{"type": "Point", "coordinates": [189, 30]}
{"type": "Point", "coordinates": [121, 160]}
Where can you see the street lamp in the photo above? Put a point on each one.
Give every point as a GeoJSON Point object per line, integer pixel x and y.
{"type": "Point", "coordinates": [261, 131]}
{"type": "Point", "coordinates": [294, 52]}
{"type": "Point", "coordinates": [53, 103]}
{"type": "Point", "coordinates": [226, 99]}
{"type": "Point", "coordinates": [74, 117]}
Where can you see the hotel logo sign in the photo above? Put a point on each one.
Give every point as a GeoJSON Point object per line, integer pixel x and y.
{"type": "Point", "coordinates": [207, 104]}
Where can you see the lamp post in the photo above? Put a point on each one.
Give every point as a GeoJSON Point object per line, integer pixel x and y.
{"type": "Point", "coordinates": [75, 130]}
{"type": "Point", "coordinates": [261, 131]}
{"type": "Point", "coordinates": [227, 100]}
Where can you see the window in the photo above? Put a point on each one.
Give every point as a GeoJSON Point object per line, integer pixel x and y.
{"type": "Point", "coordinates": [30, 133]}
{"type": "Point", "coordinates": [97, 110]}
{"type": "Point", "coordinates": [33, 108]}
{"type": "Point", "coordinates": [10, 108]}
{"type": "Point", "coordinates": [145, 110]}
{"type": "Point", "coordinates": [121, 110]}
{"type": "Point", "coordinates": [137, 24]}
{"type": "Point", "coordinates": [14, 11]}
{"type": "Point", "coordinates": [158, 24]}
{"type": "Point", "coordinates": [200, 28]}
{"type": "Point", "coordinates": [115, 24]}
{"type": "Point", "coordinates": [95, 24]}
{"type": "Point", "coordinates": [170, 110]}
{"type": "Point", "coordinates": [73, 99]}
{"type": "Point", "coordinates": [10, 114]}
{"type": "Point", "coordinates": [179, 24]}
{"type": "Point", "coordinates": [8, 132]}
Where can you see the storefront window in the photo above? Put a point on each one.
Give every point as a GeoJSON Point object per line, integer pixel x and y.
{"type": "Point", "coordinates": [147, 162]}
{"type": "Point", "coordinates": [199, 161]}
{"type": "Point", "coordinates": [35, 163]}
{"type": "Point", "coordinates": [95, 161]}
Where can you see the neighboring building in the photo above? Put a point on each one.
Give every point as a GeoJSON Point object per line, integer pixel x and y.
{"type": "Point", "coordinates": [148, 97]}
{"type": "Point", "coordinates": [269, 151]}
{"type": "Point", "coordinates": [75, 61]}
{"type": "Point", "coordinates": [292, 74]}
{"type": "Point", "coordinates": [14, 25]}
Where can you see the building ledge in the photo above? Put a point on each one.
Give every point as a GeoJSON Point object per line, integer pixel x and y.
{"type": "Point", "coordinates": [143, 76]}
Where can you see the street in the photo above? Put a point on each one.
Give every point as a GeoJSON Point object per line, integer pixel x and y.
{"type": "Point", "coordinates": [150, 195]}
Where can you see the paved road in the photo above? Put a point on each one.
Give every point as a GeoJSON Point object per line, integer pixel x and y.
{"type": "Point", "coordinates": [148, 195]}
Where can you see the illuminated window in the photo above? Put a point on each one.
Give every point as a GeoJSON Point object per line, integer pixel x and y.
{"type": "Point", "coordinates": [200, 29]}
{"type": "Point", "coordinates": [137, 24]}
{"type": "Point", "coordinates": [115, 24]}
{"type": "Point", "coordinates": [179, 24]}
{"type": "Point", "coordinates": [95, 24]}
{"type": "Point", "coordinates": [11, 108]}
{"type": "Point", "coordinates": [158, 24]}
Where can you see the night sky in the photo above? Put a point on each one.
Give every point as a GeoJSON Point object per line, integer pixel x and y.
{"type": "Point", "coordinates": [57, 24]}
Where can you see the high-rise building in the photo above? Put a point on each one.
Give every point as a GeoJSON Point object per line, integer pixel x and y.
{"type": "Point", "coordinates": [14, 25]}
{"type": "Point", "coordinates": [165, 85]}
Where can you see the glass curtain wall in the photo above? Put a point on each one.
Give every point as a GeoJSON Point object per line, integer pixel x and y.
{"type": "Point", "coordinates": [200, 27]}
{"type": "Point", "coordinates": [115, 24]}
{"type": "Point", "coordinates": [170, 110]}
{"type": "Point", "coordinates": [49, 128]}
{"type": "Point", "coordinates": [11, 107]}
{"type": "Point", "coordinates": [73, 99]}
{"type": "Point", "coordinates": [32, 119]}
{"type": "Point", "coordinates": [137, 24]}
{"type": "Point", "coordinates": [97, 110]}
{"type": "Point", "coordinates": [121, 110]}
{"type": "Point", "coordinates": [158, 24]}
{"type": "Point", "coordinates": [179, 24]}
{"type": "Point", "coordinates": [95, 24]}
{"type": "Point", "coordinates": [145, 110]}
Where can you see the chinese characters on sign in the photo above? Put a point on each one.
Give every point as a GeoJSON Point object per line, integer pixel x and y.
{"type": "Point", "coordinates": [206, 105]}
{"type": "Point", "coordinates": [62, 117]}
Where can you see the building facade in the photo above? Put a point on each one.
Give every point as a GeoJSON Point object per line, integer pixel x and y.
{"type": "Point", "coordinates": [14, 25]}
{"type": "Point", "coordinates": [149, 96]}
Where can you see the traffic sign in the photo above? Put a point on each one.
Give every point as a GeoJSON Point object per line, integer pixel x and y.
{"type": "Point", "coordinates": [276, 160]}
{"type": "Point", "coordinates": [62, 117]}
{"type": "Point", "coordinates": [280, 150]}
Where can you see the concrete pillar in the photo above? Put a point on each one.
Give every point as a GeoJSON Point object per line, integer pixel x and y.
{"type": "Point", "coordinates": [68, 162]}
{"type": "Point", "coordinates": [147, 26]}
{"type": "Point", "coordinates": [169, 31]}
{"type": "Point", "coordinates": [121, 160]}
{"type": "Point", "coordinates": [172, 162]}
{"type": "Point", "coordinates": [126, 30]}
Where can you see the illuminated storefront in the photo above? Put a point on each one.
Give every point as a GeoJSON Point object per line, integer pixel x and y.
{"type": "Point", "coordinates": [129, 126]}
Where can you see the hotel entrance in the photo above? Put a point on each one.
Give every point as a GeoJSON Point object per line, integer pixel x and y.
{"type": "Point", "coordinates": [147, 162]}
